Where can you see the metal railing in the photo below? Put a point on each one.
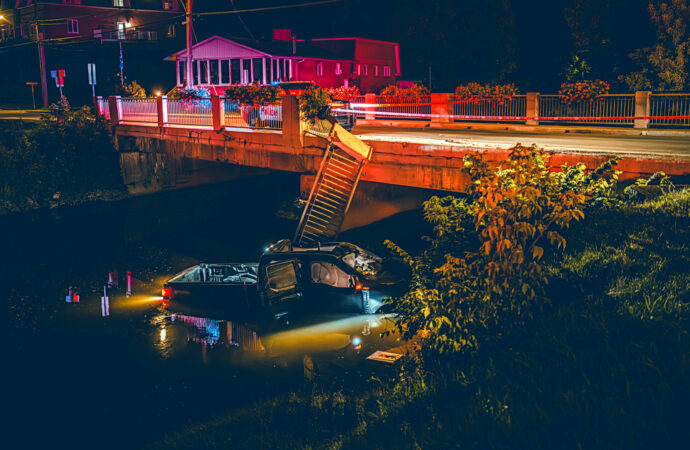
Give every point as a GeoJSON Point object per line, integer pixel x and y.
{"type": "Point", "coordinates": [139, 110]}
{"type": "Point", "coordinates": [244, 116]}
{"type": "Point", "coordinates": [515, 106]}
{"type": "Point", "coordinates": [394, 107]}
{"type": "Point", "coordinates": [189, 112]}
{"type": "Point", "coordinates": [669, 105]}
{"type": "Point", "coordinates": [610, 105]}
{"type": "Point", "coordinates": [103, 107]}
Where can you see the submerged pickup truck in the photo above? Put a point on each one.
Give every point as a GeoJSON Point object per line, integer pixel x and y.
{"type": "Point", "coordinates": [336, 277]}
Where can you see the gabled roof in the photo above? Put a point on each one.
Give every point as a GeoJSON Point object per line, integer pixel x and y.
{"type": "Point", "coordinates": [212, 45]}
{"type": "Point", "coordinates": [215, 45]}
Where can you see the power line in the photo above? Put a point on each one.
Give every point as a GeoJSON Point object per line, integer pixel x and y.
{"type": "Point", "coordinates": [267, 8]}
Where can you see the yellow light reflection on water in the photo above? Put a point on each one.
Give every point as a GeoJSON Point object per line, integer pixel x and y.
{"type": "Point", "coordinates": [330, 335]}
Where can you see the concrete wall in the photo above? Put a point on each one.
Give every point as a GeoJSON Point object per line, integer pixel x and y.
{"type": "Point", "coordinates": [149, 166]}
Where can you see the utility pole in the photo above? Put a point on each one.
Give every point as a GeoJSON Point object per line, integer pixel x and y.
{"type": "Point", "coordinates": [42, 66]}
{"type": "Point", "coordinates": [190, 34]}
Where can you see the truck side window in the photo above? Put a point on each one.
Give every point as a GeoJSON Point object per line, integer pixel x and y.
{"type": "Point", "coordinates": [327, 273]}
{"type": "Point", "coordinates": [281, 277]}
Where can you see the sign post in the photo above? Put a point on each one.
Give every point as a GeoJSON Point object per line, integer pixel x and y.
{"type": "Point", "coordinates": [59, 76]}
{"type": "Point", "coordinates": [33, 97]}
{"type": "Point", "coordinates": [91, 69]}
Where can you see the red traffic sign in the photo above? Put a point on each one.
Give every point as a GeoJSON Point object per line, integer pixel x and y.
{"type": "Point", "coordinates": [59, 76]}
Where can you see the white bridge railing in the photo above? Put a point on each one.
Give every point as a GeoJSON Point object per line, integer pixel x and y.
{"type": "Point", "coordinates": [640, 110]}
{"type": "Point", "coordinates": [212, 113]}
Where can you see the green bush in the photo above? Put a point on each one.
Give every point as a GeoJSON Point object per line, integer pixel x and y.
{"type": "Point", "coordinates": [482, 272]}
{"type": "Point", "coordinates": [314, 103]}
{"type": "Point", "coordinates": [253, 94]}
{"type": "Point", "coordinates": [57, 161]}
{"type": "Point", "coordinates": [495, 93]}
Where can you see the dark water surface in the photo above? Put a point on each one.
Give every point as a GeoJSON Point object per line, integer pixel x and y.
{"type": "Point", "coordinates": [80, 380]}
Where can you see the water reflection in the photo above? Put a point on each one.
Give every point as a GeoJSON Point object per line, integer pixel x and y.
{"type": "Point", "coordinates": [163, 343]}
{"type": "Point", "coordinates": [340, 336]}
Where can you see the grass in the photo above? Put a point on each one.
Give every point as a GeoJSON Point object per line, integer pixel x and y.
{"type": "Point", "coordinates": [605, 366]}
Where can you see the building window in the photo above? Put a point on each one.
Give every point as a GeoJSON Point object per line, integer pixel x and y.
{"type": "Point", "coordinates": [119, 3]}
{"type": "Point", "coordinates": [319, 69]}
{"type": "Point", "coordinates": [338, 69]}
{"type": "Point", "coordinates": [203, 71]}
{"type": "Point", "coordinates": [358, 69]}
{"type": "Point", "coordinates": [167, 5]}
{"type": "Point", "coordinates": [224, 71]}
{"type": "Point", "coordinates": [376, 70]}
{"type": "Point", "coordinates": [72, 2]}
{"type": "Point", "coordinates": [213, 68]}
{"type": "Point", "coordinates": [386, 71]}
{"type": "Point", "coordinates": [72, 26]}
{"type": "Point", "coordinates": [120, 30]}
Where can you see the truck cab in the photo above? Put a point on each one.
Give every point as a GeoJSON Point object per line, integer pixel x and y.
{"type": "Point", "coordinates": [334, 277]}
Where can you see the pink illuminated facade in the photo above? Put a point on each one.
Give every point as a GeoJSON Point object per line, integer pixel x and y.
{"type": "Point", "coordinates": [218, 61]}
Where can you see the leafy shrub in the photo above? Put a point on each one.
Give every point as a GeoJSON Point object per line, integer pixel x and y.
{"type": "Point", "coordinates": [343, 93]}
{"type": "Point", "coordinates": [194, 94]}
{"type": "Point", "coordinates": [253, 94]}
{"type": "Point", "coordinates": [57, 160]}
{"type": "Point", "coordinates": [315, 103]}
{"type": "Point", "coordinates": [495, 93]}
{"type": "Point", "coordinates": [482, 272]}
{"type": "Point", "coordinates": [60, 109]}
{"type": "Point", "coordinates": [583, 91]}
{"type": "Point", "coordinates": [134, 90]}
{"type": "Point", "coordinates": [412, 94]}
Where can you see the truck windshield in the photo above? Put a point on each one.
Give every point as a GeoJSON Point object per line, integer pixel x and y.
{"type": "Point", "coordinates": [364, 262]}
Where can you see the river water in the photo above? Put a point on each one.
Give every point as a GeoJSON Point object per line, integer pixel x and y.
{"type": "Point", "coordinates": [76, 378]}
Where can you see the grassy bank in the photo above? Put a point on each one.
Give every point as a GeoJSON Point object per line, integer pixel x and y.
{"type": "Point", "coordinates": [55, 163]}
{"type": "Point", "coordinates": [603, 365]}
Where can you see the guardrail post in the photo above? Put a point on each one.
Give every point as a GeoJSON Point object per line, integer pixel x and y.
{"type": "Point", "coordinates": [440, 108]}
{"type": "Point", "coordinates": [642, 109]}
{"type": "Point", "coordinates": [97, 105]}
{"type": "Point", "coordinates": [218, 112]}
{"type": "Point", "coordinates": [115, 106]}
{"type": "Point", "coordinates": [370, 99]}
{"type": "Point", "coordinates": [162, 108]}
{"type": "Point", "coordinates": [532, 111]}
{"type": "Point", "coordinates": [292, 133]}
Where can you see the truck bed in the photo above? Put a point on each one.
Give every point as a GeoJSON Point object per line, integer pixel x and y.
{"type": "Point", "coordinates": [214, 288]}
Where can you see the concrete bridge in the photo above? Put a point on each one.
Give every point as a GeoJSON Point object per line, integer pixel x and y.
{"type": "Point", "coordinates": [416, 158]}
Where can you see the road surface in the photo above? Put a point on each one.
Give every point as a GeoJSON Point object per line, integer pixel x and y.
{"type": "Point", "coordinates": [16, 114]}
{"type": "Point", "coordinates": [675, 147]}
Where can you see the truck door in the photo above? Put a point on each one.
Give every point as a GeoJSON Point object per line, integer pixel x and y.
{"type": "Point", "coordinates": [332, 289]}
{"type": "Point", "coordinates": [282, 287]}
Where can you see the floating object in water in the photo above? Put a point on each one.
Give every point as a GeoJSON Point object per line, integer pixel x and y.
{"type": "Point", "coordinates": [129, 284]}
{"type": "Point", "coordinates": [113, 279]}
{"type": "Point", "coordinates": [105, 303]}
{"type": "Point", "coordinates": [72, 296]}
{"type": "Point", "coordinates": [387, 357]}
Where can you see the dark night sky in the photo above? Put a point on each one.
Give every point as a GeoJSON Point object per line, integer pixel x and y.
{"type": "Point", "coordinates": [523, 41]}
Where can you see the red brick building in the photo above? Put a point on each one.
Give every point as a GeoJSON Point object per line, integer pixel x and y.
{"type": "Point", "coordinates": [218, 61]}
{"type": "Point", "coordinates": [74, 33]}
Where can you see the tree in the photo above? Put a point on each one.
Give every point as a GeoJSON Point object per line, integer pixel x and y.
{"type": "Point", "coordinates": [482, 272]}
{"type": "Point", "coordinates": [664, 66]}
{"type": "Point", "coordinates": [135, 90]}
